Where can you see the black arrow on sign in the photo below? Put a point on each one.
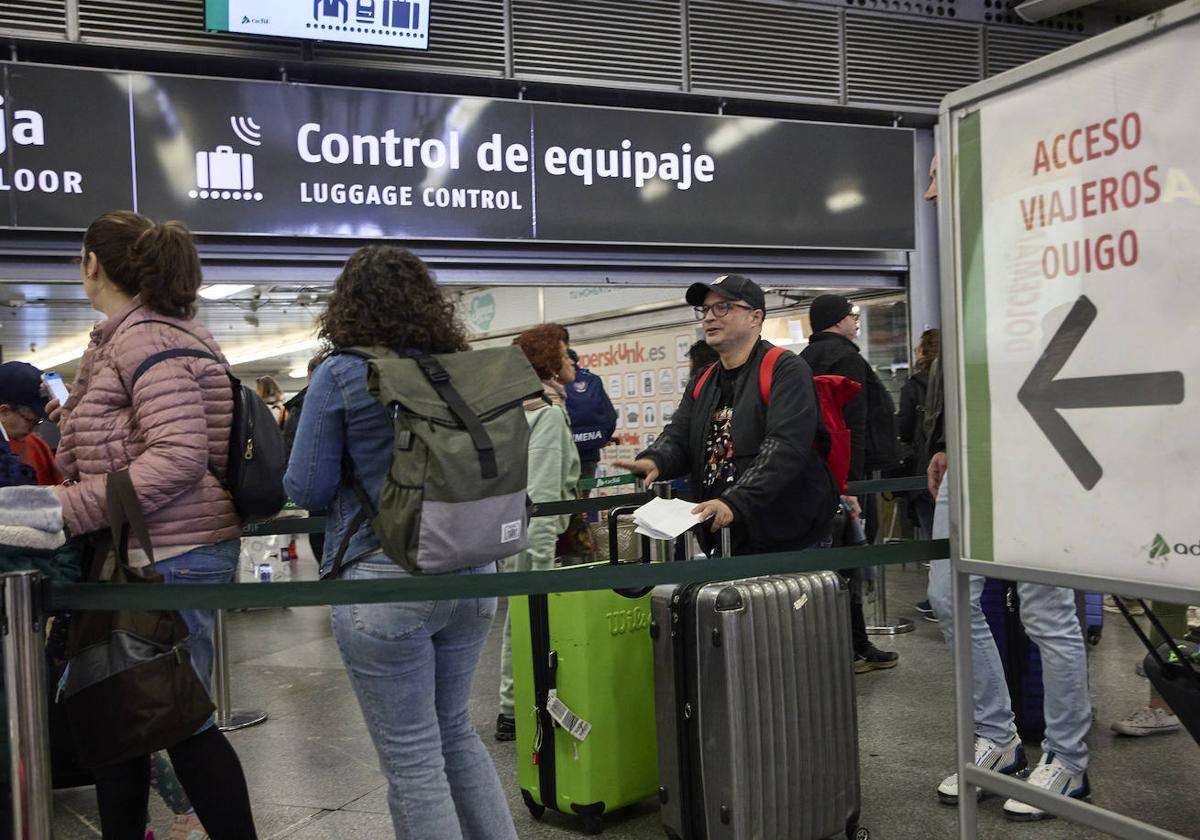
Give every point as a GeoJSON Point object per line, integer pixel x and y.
{"type": "Point", "coordinates": [1044, 396]}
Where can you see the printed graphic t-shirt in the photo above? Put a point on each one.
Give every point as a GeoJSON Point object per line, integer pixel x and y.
{"type": "Point", "coordinates": [719, 471]}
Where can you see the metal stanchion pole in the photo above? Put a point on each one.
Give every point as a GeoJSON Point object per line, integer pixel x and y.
{"type": "Point", "coordinates": [25, 691]}
{"type": "Point", "coordinates": [883, 627]}
{"type": "Point", "coordinates": [661, 550]}
{"type": "Point", "coordinates": [228, 718]}
{"type": "Point", "coordinates": [964, 702]}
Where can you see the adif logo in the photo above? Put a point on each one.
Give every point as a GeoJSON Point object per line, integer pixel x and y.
{"type": "Point", "coordinates": [1159, 547]}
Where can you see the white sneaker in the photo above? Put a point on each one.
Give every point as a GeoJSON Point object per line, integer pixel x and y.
{"type": "Point", "coordinates": [1007, 759]}
{"type": "Point", "coordinates": [1147, 721]}
{"type": "Point", "coordinates": [1054, 776]}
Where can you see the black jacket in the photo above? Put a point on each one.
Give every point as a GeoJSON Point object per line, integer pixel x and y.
{"type": "Point", "coordinates": [935, 411]}
{"type": "Point", "coordinates": [831, 354]}
{"type": "Point", "coordinates": [910, 422]}
{"type": "Point", "coordinates": [784, 496]}
{"type": "Point", "coordinates": [292, 422]}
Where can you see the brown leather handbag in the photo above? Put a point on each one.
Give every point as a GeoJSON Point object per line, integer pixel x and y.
{"type": "Point", "coordinates": [130, 687]}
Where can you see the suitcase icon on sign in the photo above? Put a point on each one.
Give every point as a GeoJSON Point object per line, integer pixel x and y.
{"type": "Point", "coordinates": [401, 14]}
{"type": "Point", "coordinates": [224, 169]}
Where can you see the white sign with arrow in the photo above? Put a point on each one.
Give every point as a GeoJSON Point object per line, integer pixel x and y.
{"type": "Point", "coordinates": [1079, 209]}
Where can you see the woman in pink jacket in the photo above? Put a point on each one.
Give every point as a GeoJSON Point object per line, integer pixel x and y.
{"type": "Point", "coordinates": [171, 430]}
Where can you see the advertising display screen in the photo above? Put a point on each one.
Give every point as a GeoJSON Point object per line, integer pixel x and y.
{"type": "Point", "coordinates": [387, 23]}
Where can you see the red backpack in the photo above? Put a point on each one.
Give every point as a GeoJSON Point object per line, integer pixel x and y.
{"type": "Point", "coordinates": [833, 392]}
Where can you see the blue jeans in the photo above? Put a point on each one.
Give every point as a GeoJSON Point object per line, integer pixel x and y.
{"type": "Point", "coordinates": [215, 563]}
{"type": "Point", "coordinates": [1048, 613]}
{"type": "Point", "coordinates": [411, 666]}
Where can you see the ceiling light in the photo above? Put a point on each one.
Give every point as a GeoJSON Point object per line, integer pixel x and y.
{"type": "Point", "coordinates": [63, 354]}
{"type": "Point", "coordinates": [220, 291]}
{"type": "Point", "coordinates": [257, 352]}
{"type": "Point", "coordinates": [299, 372]}
{"type": "Point", "coordinates": [845, 200]}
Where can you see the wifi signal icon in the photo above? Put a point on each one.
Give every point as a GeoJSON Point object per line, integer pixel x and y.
{"type": "Point", "coordinates": [247, 130]}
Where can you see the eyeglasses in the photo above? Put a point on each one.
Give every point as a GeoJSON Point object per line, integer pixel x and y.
{"type": "Point", "coordinates": [719, 309]}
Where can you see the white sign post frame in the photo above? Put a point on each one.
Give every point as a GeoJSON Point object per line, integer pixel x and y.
{"type": "Point", "coordinates": [960, 187]}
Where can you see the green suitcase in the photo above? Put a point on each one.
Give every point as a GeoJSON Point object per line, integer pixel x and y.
{"type": "Point", "coordinates": [593, 651]}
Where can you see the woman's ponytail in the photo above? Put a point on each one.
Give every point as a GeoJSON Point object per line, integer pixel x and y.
{"type": "Point", "coordinates": [157, 261]}
{"type": "Point", "coordinates": [167, 266]}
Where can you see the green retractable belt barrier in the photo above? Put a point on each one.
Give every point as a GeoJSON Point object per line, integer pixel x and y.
{"type": "Point", "coordinates": [210, 596]}
{"type": "Point", "coordinates": [60, 595]}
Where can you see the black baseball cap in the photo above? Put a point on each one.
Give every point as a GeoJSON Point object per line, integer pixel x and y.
{"type": "Point", "coordinates": [730, 286]}
{"type": "Point", "coordinates": [21, 385]}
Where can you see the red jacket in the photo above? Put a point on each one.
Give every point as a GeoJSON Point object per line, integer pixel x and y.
{"type": "Point", "coordinates": [36, 453]}
{"type": "Point", "coordinates": [171, 432]}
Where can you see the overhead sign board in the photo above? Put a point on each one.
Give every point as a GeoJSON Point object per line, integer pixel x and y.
{"type": "Point", "coordinates": [1078, 205]}
{"type": "Point", "coordinates": [264, 158]}
{"type": "Point", "coordinates": [389, 23]}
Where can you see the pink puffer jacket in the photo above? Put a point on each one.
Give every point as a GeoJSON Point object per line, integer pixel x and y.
{"type": "Point", "coordinates": [172, 432]}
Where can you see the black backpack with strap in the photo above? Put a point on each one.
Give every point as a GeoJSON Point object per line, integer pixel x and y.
{"type": "Point", "coordinates": [257, 454]}
{"type": "Point", "coordinates": [883, 449]}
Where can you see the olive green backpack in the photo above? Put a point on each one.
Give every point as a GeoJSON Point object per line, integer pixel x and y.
{"type": "Point", "coordinates": [455, 495]}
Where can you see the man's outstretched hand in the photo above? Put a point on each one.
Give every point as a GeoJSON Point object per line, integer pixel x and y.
{"type": "Point", "coordinates": [642, 466]}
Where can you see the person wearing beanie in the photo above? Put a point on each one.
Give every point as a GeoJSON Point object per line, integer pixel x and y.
{"type": "Point", "coordinates": [828, 312]}
{"type": "Point", "coordinates": [831, 351]}
{"type": "Point", "coordinates": [22, 408]}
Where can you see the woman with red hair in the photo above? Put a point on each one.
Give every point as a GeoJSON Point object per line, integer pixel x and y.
{"type": "Point", "coordinates": [553, 477]}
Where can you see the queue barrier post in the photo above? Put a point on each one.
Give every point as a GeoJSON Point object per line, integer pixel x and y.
{"type": "Point", "coordinates": [25, 693]}
{"type": "Point", "coordinates": [229, 718]}
{"type": "Point", "coordinates": [881, 626]}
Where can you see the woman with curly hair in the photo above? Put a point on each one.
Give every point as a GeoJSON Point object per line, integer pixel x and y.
{"type": "Point", "coordinates": [553, 477]}
{"type": "Point", "coordinates": [411, 664]}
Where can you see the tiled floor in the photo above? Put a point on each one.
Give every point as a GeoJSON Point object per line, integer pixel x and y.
{"type": "Point", "coordinates": [313, 775]}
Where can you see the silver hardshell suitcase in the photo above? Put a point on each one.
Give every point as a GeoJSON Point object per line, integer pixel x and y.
{"type": "Point", "coordinates": [757, 723]}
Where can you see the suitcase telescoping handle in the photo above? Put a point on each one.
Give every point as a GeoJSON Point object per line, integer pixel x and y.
{"type": "Point", "coordinates": [614, 517]}
{"type": "Point", "coordinates": [724, 550]}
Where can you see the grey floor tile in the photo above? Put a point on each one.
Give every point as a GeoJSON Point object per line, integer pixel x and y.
{"type": "Point", "coordinates": [374, 802]}
{"type": "Point", "coordinates": [344, 825]}
{"type": "Point", "coordinates": [319, 653]}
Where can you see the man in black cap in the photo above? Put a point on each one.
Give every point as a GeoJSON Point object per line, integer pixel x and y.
{"type": "Point", "coordinates": [22, 407]}
{"type": "Point", "coordinates": [752, 460]}
{"type": "Point", "coordinates": [870, 417]}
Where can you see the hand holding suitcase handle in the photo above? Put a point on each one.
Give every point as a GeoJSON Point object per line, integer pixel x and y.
{"type": "Point", "coordinates": [614, 517]}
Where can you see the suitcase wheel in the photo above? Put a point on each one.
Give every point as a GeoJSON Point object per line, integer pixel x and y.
{"type": "Point", "coordinates": [593, 824]}
{"type": "Point", "coordinates": [858, 833]}
{"type": "Point", "coordinates": [536, 811]}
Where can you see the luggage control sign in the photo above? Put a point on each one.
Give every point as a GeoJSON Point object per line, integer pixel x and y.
{"type": "Point", "coordinates": [273, 159]}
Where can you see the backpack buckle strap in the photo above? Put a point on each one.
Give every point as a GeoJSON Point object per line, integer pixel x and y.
{"type": "Point", "coordinates": [433, 370]}
{"type": "Point", "coordinates": [439, 377]}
